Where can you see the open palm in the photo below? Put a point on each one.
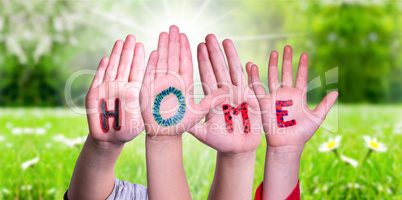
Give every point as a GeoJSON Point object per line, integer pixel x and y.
{"type": "Point", "coordinates": [119, 77]}
{"type": "Point", "coordinates": [232, 84]}
{"type": "Point", "coordinates": [306, 121]}
{"type": "Point", "coordinates": [171, 67]}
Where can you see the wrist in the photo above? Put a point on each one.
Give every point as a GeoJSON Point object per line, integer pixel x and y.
{"type": "Point", "coordinates": [233, 177]}
{"type": "Point", "coordinates": [284, 154]}
{"type": "Point", "coordinates": [282, 165]}
{"type": "Point", "coordinates": [103, 146]}
{"type": "Point", "coordinates": [241, 157]}
{"type": "Point", "coordinates": [163, 138]}
{"type": "Point", "coordinates": [285, 150]}
{"type": "Point", "coordinates": [163, 144]}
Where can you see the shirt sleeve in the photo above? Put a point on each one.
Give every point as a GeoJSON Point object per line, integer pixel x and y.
{"type": "Point", "coordinates": [128, 191]}
{"type": "Point", "coordinates": [295, 195]}
{"type": "Point", "coordinates": [124, 190]}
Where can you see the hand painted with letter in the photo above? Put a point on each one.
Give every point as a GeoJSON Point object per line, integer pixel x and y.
{"type": "Point", "coordinates": [112, 102]}
{"type": "Point", "coordinates": [287, 120]}
{"type": "Point", "coordinates": [167, 96]}
{"type": "Point", "coordinates": [234, 126]}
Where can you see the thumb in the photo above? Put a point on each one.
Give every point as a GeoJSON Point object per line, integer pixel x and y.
{"type": "Point", "coordinates": [325, 105]}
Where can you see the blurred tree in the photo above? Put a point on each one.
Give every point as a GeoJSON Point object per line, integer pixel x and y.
{"type": "Point", "coordinates": [396, 46]}
{"type": "Point", "coordinates": [358, 38]}
{"type": "Point", "coordinates": [39, 39]}
{"type": "Point", "coordinates": [43, 42]}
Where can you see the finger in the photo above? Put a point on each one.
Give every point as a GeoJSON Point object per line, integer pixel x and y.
{"type": "Point", "coordinates": [256, 82]}
{"type": "Point", "coordinates": [248, 70]}
{"type": "Point", "coordinates": [217, 60]}
{"type": "Point", "coordinates": [126, 59]}
{"type": "Point", "coordinates": [138, 64]}
{"type": "Point", "coordinates": [325, 105]}
{"type": "Point", "coordinates": [149, 75]}
{"type": "Point", "coordinates": [100, 72]}
{"type": "Point", "coordinates": [174, 49]}
{"type": "Point", "coordinates": [186, 60]}
{"type": "Point", "coordinates": [235, 68]}
{"type": "Point", "coordinates": [114, 60]}
{"type": "Point", "coordinates": [287, 69]}
{"type": "Point", "coordinates": [163, 54]}
{"type": "Point", "coordinates": [302, 72]}
{"type": "Point", "coordinates": [273, 82]}
{"type": "Point", "coordinates": [205, 69]}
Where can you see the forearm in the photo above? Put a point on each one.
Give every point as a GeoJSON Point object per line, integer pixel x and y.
{"type": "Point", "coordinates": [234, 175]}
{"type": "Point", "coordinates": [93, 176]}
{"type": "Point", "coordinates": [165, 170]}
{"type": "Point", "coordinates": [281, 171]}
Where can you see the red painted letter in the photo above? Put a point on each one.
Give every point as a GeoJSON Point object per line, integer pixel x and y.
{"type": "Point", "coordinates": [280, 113]}
{"type": "Point", "coordinates": [227, 109]}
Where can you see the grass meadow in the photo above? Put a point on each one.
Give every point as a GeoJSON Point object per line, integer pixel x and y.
{"type": "Point", "coordinates": [50, 140]}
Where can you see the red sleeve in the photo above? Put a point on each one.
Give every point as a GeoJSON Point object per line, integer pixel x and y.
{"type": "Point", "coordinates": [295, 195]}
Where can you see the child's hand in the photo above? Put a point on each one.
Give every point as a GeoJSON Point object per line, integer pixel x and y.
{"type": "Point", "coordinates": [234, 127]}
{"type": "Point", "coordinates": [245, 134]}
{"type": "Point", "coordinates": [119, 77]}
{"type": "Point", "coordinates": [117, 81]}
{"type": "Point", "coordinates": [285, 132]}
{"type": "Point", "coordinates": [167, 95]}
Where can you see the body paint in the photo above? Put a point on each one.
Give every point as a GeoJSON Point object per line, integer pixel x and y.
{"type": "Point", "coordinates": [227, 110]}
{"type": "Point", "coordinates": [104, 115]}
{"type": "Point", "coordinates": [180, 113]}
{"type": "Point", "coordinates": [281, 113]}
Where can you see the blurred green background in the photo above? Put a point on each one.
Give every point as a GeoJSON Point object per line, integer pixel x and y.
{"type": "Point", "coordinates": [354, 47]}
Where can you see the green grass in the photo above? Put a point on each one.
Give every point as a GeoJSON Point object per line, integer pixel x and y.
{"type": "Point", "coordinates": [322, 175]}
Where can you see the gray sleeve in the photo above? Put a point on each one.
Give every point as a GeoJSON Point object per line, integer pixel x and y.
{"type": "Point", "coordinates": [124, 190]}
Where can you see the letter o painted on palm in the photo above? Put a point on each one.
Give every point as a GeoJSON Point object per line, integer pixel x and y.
{"type": "Point", "coordinates": [180, 113]}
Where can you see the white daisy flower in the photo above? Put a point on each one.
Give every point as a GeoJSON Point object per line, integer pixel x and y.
{"type": "Point", "coordinates": [29, 163]}
{"type": "Point", "coordinates": [332, 144]}
{"type": "Point", "coordinates": [40, 131]}
{"type": "Point", "coordinates": [5, 190]}
{"type": "Point", "coordinates": [59, 138]}
{"type": "Point", "coordinates": [26, 187]}
{"type": "Point", "coordinates": [349, 161]}
{"type": "Point", "coordinates": [70, 142]}
{"type": "Point", "coordinates": [75, 142]}
{"type": "Point", "coordinates": [16, 131]}
{"type": "Point", "coordinates": [356, 185]}
{"type": "Point", "coordinates": [373, 144]}
{"type": "Point", "coordinates": [1, 138]}
{"type": "Point", "coordinates": [50, 191]}
{"type": "Point", "coordinates": [28, 131]}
